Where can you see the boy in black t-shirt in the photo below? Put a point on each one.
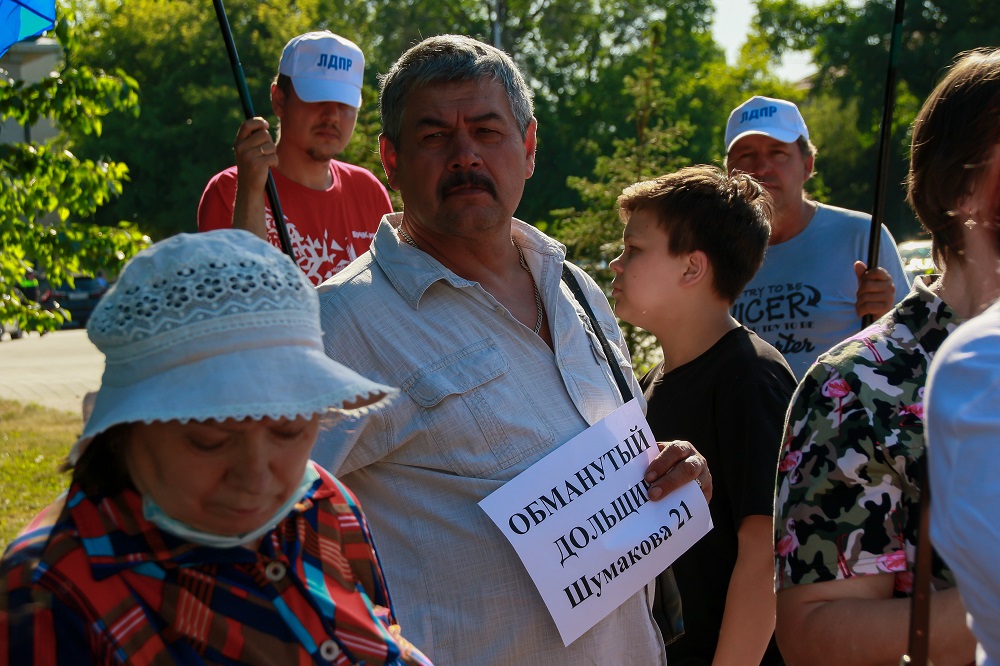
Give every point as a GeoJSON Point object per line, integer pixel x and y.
{"type": "Point", "coordinates": [693, 239]}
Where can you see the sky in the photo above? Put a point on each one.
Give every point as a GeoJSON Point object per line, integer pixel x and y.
{"type": "Point", "coordinates": [732, 21]}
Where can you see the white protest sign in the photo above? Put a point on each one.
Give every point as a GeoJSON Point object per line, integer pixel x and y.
{"type": "Point", "coordinates": [584, 527]}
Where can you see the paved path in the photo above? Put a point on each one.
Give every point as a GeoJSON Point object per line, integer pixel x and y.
{"type": "Point", "coordinates": [54, 370]}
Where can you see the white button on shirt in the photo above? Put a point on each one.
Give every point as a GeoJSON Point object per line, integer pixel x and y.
{"type": "Point", "coordinates": [329, 650]}
{"type": "Point", "coordinates": [275, 571]}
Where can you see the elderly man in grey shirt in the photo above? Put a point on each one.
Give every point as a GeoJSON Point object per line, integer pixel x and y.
{"type": "Point", "coordinates": [462, 307]}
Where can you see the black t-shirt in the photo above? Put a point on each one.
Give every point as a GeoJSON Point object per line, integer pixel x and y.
{"type": "Point", "coordinates": [730, 403]}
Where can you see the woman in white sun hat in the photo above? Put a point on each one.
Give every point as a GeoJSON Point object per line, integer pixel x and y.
{"type": "Point", "coordinates": [195, 528]}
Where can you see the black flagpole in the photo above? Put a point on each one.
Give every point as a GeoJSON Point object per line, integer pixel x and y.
{"type": "Point", "coordinates": [918, 645]}
{"type": "Point", "coordinates": [241, 85]}
{"type": "Point", "coordinates": [885, 134]}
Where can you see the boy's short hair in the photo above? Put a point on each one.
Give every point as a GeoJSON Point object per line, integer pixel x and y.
{"type": "Point", "coordinates": [700, 208]}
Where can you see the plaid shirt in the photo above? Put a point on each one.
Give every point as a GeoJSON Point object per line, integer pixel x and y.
{"type": "Point", "coordinates": [91, 581]}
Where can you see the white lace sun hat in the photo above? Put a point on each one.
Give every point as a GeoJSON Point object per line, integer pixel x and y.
{"type": "Point", "coordinates": [217, 325]}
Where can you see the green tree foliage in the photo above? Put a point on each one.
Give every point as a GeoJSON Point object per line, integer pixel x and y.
{"type": "Point", "coordinates": [849, 43]}
{"type": "Point", "coordinates": [574, 55]}
{"type": "Point", "coordinates": [625, 90]}
{"type": "Point", "coordinates": [593, 233]}
{"type": "Point", "coordinates": [671, 112]}
{"type": "Point", "coordinates": [191, 107]}
{"type": "Point", "coordinates": [583, 108]}
{"type": "Point", "coordinates": [662, 106]}
{"type": "Point", "coordinates": [48, 194]}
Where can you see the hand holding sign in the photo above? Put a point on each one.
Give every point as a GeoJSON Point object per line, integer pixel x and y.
{"type": "Point", "coordinates": [582, 522]}
{"type": "Point", "coordinates": [677, 463]}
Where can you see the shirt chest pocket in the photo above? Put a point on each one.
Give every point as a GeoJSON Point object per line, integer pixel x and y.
{"type": "Point", "coordinates": [479, 417]}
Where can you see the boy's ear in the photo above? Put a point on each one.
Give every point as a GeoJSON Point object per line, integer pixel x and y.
{"type": "Point", "coordinates": [696, 269]}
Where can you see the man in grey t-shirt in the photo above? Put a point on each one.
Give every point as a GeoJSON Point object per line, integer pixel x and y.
{"type": "Point", "coordinates": [814, 285]}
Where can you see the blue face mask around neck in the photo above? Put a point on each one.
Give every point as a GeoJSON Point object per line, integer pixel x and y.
{"type": "Point", "coordinates": [154, 514]}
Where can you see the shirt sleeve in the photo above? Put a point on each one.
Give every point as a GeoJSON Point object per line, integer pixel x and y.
{"type": "Point", "coordinates": [352, 442]}
{"type": "Point", "coordinates": [359, 548]}
{"type": "Point", "coordinates": [835, 505]}
{"type": "Point", "coordinates": [754, 407]}
{"type": "Point", "coordinates": [963, 425]}
{"type": "Point", "coordinates": [372, 197]}
{"type": "Point", "coordinates": [37, 628]}
{"type": "Point", "coordinates": [215, 210]}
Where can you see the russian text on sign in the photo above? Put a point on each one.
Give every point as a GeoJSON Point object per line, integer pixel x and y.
{"type": "Point", "coordinates": [593, 535]}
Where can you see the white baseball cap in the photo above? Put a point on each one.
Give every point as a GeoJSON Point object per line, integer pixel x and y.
{"type": "Point", "coordinates": [324, 67]}
{"type": "Point", "coordinates": [776, 118]}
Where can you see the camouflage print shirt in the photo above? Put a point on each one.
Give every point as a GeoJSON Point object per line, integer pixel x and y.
{"type": "Point", "coordinates": [848, 496]}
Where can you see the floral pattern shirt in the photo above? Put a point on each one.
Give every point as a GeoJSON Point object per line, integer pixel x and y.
{"type": "Point", "coordinates": [848, 488]}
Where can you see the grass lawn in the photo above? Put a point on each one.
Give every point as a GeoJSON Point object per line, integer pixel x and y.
{"type": "Point", "coordinates": [34, 440]}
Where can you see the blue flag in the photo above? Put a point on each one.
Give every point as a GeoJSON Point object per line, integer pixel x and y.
{"type": "Point", "coordinates": [21, 19]}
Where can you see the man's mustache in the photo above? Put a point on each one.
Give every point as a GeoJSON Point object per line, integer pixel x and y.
{"type": "Point", "coordinates": [459, 179]}
{"type": "Point", "coordinates": [328, 127]}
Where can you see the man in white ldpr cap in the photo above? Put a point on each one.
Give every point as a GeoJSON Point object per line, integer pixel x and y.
{"type": "Point", "coordinates": [331, 208]}
{"type": "Point", "coordinates": [814, 284]}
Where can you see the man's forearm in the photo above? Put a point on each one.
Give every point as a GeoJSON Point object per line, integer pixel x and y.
{"type": "Point", "coordinates": [861, 631]}
{"type": "Point", "coordinates": [248, 211]}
